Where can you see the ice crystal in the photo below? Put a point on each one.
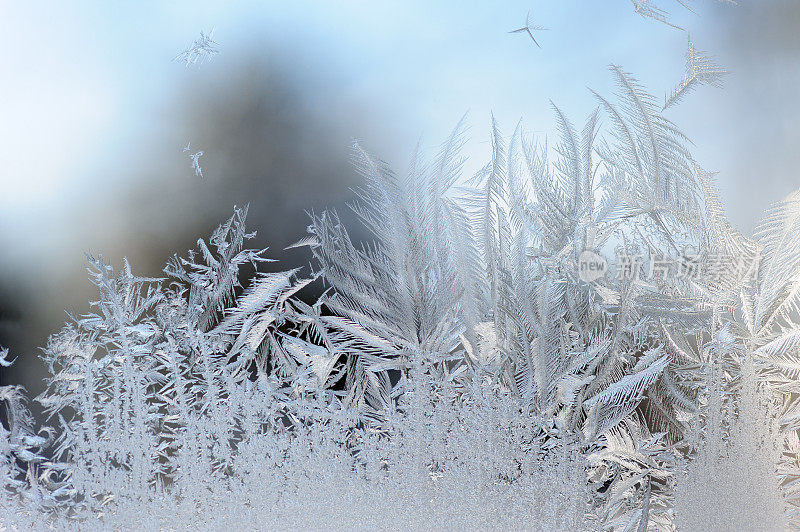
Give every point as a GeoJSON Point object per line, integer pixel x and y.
{"type": "Point", "coordinates": [652, 10]}
{"type": "Point", "coordinates": [527, 28]}
{"type": "Point", "coordinates": [195, 158]}
{"type": "Point", "coordinates": [700, 70]}
{"type": "Point", "coordinates": [202, 49]}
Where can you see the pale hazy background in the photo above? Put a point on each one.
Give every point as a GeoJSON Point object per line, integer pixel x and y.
{"type": "Point", "coordinates": [94, 115]}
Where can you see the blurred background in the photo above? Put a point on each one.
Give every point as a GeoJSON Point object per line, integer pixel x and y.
{"type": "Point", "coordinates": [94, 116]}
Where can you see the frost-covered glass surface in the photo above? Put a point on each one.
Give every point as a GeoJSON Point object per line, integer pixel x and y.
{"type": "Point", "coordinates": [573, 338]}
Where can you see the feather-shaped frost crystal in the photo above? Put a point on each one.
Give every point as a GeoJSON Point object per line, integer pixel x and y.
{"type": "Point", "coordinates": [202, 49]}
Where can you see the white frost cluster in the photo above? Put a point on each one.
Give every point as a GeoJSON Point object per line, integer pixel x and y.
{"type": "Point", "coordinates": [456, 373]}
{"type": "Point", "coordinates": [731, 483]}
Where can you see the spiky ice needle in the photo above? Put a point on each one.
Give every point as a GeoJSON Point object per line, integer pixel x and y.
{"type": "Point", "coordinates": [527, 28]}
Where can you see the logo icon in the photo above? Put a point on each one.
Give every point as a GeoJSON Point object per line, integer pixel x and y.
{"type": "Point", "coordinates": [591, 266]}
